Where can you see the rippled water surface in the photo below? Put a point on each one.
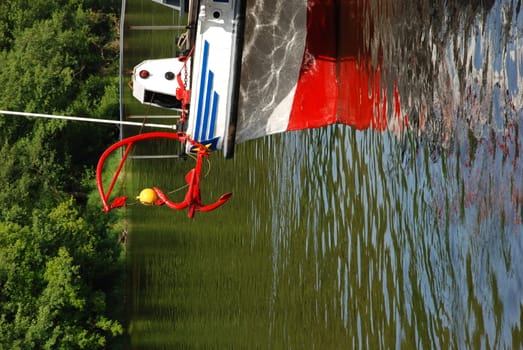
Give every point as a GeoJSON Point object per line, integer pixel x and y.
{"type": "Point", "coordinates": [342, 238]}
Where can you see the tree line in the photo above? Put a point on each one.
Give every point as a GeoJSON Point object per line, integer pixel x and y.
{"type": "Point", "coordinates": [61, 268]}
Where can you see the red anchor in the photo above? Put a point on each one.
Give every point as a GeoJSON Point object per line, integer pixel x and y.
{"type": "Point", "coordinates": [192, 198]}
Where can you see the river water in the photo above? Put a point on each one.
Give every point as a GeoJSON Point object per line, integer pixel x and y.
{"type": "Point", "coordinates": [338, 238]}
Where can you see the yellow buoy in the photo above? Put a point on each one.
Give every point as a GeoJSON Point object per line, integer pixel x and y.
{"type": "Point", "coordinates": [147, 196]}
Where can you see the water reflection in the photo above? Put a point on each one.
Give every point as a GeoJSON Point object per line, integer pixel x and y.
{"type": "Point", "coordinates": [412, 240]}
{"type": "Point", "coordinates": [338, 238]}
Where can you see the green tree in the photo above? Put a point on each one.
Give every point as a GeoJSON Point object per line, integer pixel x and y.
{"type": "Point", "coordinates": [59, 260]}
{"type": "Point", "coordinates": [51, 59]}
{"type": "Point", "coordinates": [17, 15]}
{"type": "Point", "coordinates": [53, 279]}
{"type": "Point", "coordinates": [56, 62]}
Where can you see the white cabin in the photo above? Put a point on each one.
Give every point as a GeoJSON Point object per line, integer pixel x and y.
{"type": "Point", "coordinates": [155, 82]}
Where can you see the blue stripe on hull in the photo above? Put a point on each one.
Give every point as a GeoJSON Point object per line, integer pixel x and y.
{"type": "Point", "coordinates": [202, 89]}
{"type": "Point", "coordinates": [208, 95]}
{"type": "Point", "coordinates": [214, 112]}
{"type": "Point", "coordinates": [207, 110]}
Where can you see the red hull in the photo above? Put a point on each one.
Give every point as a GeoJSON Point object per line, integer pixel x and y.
{"type": "Point", "coordinates": [337, 83]}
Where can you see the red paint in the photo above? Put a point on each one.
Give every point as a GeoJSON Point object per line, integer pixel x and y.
{"type": "Point", "coordinates": [362, 102]}
{"type": "Point", "coordinates": [128, 142]}
{"type": "Point", "coordinates": [316, 93]}
{"type": "Point", "coordinates": [192, 199]}
{"type": "Point", "coordinates": [337, 82]}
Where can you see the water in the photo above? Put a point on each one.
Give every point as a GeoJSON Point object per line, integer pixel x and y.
{"type": "Point", "coordinates": [338, 238]}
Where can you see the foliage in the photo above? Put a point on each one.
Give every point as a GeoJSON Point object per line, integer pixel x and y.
{"type": "Point", "coordinates": [60, 264]}
{"type": "Point", "coordinates": [51, 62]}
{"type": "Point", "coordinates": [58, 57]}
{"type": "Point", "coordinates": [17, 15]}
{"type": "Point", "coordinates": [55, 275]}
